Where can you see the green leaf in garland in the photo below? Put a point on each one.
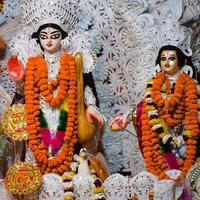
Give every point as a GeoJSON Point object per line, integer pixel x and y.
{"type": "Point", "coordinates": [165, 147]}
{"type": "Point", "coordinates": [43, 121]}
{"type": "Point", "coordinates": [62, 121]}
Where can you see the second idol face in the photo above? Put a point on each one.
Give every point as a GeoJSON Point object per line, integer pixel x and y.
{"type": "Point", "coordinates": [169, 62]}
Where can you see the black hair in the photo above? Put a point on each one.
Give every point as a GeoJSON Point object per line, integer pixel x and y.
{"type": "Point", "coordinates": [36, 34]}
{"type": "Point", "coordinates": [182, 58]}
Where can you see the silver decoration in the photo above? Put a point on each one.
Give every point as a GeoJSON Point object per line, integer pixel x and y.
{"type": "Point", "coordinates": [126, 35]}
{"type": "Point", "coordinates": [83, 187]}
{"type": "Point", "coordinates": [193, 176]}
{"type": "Point", "coordinates": [115, 187]}
{"type": "Point", "coordinates": [10, 9]}
{"type": "Point", "coordinates": [52, 187]}
{"type": "Point", "coordinates": [142, 184]}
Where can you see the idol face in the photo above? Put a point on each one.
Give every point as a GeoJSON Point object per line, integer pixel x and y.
{"type": "Point", "coordinates": [169, 62]}
{"type": "Point", "coordinates": [50, 39]}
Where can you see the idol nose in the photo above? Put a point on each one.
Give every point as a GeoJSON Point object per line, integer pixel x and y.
{"type": "Point", "coordinates": [49, 40]}
{"type": "Point", "coordinates": [166, 63]}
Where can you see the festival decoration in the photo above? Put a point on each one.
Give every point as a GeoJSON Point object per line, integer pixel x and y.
{"type": "Point", "coordinates": [160, 115]}
{"type": "Point", "coordinates": [51, 188]}
{"type": "Point", "coordinates": [193, 176]}
{"type": "Point", "coordinates": [14, 122]}
{"type": "Point", "coordinates": [23, 178]}
{"type": "Point", "coordinates": [5, 100]}
{"type": "Point", "coordinates": [35, 84]}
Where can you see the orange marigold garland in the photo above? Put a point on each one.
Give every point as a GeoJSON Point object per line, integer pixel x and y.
{"type": "Point", "coordinates": [36, 83]}
{"type": "Point", "coordinates": [163, 110]}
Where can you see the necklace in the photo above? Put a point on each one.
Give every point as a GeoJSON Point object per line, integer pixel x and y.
{"type": "Point", "coordinates": [36, 83]}
{"type": "Point", "coordinates": [52, 58]}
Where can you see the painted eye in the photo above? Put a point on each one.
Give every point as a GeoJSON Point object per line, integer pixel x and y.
{"type": "Point", "coordinates": [163, 58]}
{"type": "Point", "coordinates": [172, 58]}
{"type": "Point", "coordinates": [55, 36]}
{"type": "Point", "coordinates": [43, 37]}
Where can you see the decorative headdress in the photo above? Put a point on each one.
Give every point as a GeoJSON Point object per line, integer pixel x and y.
{"type": "Point", "coordinates": [170, 32]}
{"type": "Point", "coordinates": [64, 13]}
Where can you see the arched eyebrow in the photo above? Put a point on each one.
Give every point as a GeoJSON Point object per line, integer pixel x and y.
{"type": "Point", "coordinates": [54, 32]}
{"type": "Point", "coordinates": [44, 32]}
{"type": "Point", "coordinates": [170, 54]}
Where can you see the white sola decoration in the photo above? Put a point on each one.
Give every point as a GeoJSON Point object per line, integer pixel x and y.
{"type": "Point", "coordinates": [64, 13]}
{"type": "Point", "coordinates": [52, 187]}
{"type": "Point", "coordinates": [115, 186]}
{"type": "Point", "coordinates": [120, 187]}
{"type": "Point", "coordinates": [61, 12]}
{"type": "Point", "coordinates": [130, 33]}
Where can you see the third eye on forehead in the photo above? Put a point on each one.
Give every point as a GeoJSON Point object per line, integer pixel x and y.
{"type": "Point", "coordinates": [53, 35]}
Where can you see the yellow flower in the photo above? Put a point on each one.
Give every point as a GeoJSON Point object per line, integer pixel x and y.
{"type": "Point", "coordinates": [68, 197]}
{"type": "Point", "coordinates": [187, 133]}
{"type": "Point", "coordinates": [165, 129]}
{"type": "Point", "coordinates": [163, 89]}
{"type": "Point", "coordinates": [150, 80]}
{"type": "Point", "coordinates": [98, 189]}
{"type": "Point", "coordinates": [154, 121]}
{"type": "Point", "coordinates": [162, 135]}
{"type": "Point", "coordinates": [148, 89]}
{"type": "Point", "coordinates": [64, 106]}
{"type": "Point", "coordinates": [151, 108]}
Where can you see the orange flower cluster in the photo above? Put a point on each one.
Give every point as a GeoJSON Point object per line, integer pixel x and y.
{"type": "Point", "coordinates": [46, 88]}
{"type": "Point", "coordinates": [172, 108]}
{"type": "Point", "coordinates": [36, 84]}
{"type": "Point", "coordinates": [178, 106]}
{"type": "Point", "coordinates": [150, 148]}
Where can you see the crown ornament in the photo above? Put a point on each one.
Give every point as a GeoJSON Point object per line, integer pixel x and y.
{"type": "Point", "coordinates": [170, 31]}
{"type": "Point", "coordinates": [64, 13]}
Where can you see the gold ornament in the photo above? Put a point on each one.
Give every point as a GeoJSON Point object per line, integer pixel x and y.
{"type": "Point", "coordinates": [14, 122]}
{"type": "Point", "coordinates": [23, 178]}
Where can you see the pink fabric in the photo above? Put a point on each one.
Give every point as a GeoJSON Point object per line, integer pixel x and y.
{"type": "Point", "coordinates": [186, 195]}
{"type": "Point", "coordinates": [171, 160]}
{"type": "Point", "coordinates": [55, 142]}
{"type": "Point", "coordinates": [139, 123]}
{"type": "Point", "coordinates": [46, 136]}
{"type": "Point", "coordinates": [172, 164]}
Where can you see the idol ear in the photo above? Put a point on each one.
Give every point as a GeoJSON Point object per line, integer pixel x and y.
{"type": "Point", "coordinates": [15, 68]}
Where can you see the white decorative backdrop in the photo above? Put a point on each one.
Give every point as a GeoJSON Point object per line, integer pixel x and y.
{"type": "Point", "coordinates": [127, 35]}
